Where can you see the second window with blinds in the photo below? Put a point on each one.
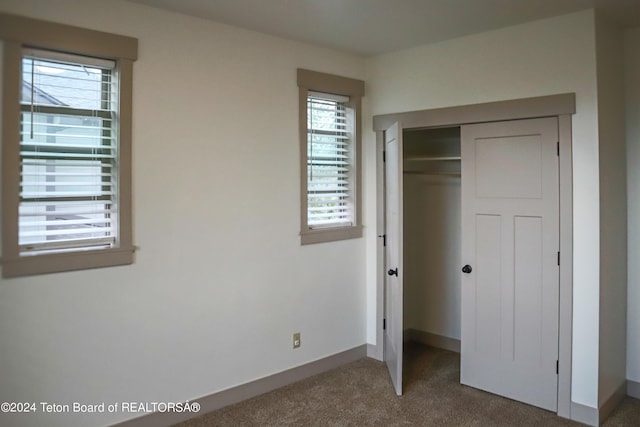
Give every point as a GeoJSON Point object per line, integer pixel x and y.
{"type": "Point", "coordinates": [330, 157]}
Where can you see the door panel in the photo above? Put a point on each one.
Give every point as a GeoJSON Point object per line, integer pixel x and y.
{"type": "Point", "coordinates": [486, 318]}
{"type": "Point", "coordinates": [516, 157]}
{"type": "Point", "coordinates": [510, 237]}
{"type": "Point", "coordinates": [527, 286]}
{"type": "Point", "coordinates": [393, 283]}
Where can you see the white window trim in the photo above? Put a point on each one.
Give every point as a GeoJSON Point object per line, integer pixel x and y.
{"type": "Point", "coordinates": [18, 33]}
{"type": "Point", "coordinates": [313, 81]}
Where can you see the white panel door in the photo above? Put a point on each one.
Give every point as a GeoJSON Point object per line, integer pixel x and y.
{"type": "Point", "coordinates": [393, 283]}
{"type": "Point", "coordinates": [510, 243]}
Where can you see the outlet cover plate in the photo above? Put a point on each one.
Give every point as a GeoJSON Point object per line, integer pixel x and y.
{"type": "Point", "coordinates": [296, 340]}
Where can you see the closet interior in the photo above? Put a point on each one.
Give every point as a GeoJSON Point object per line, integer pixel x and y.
{"type": "Point", "coordinates": [432, 236]}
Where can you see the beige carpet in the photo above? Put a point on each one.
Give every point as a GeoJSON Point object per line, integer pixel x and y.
{"type": "Point", "coordinates": [360, 394]}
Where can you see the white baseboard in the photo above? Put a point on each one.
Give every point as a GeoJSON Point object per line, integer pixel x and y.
{"type": "Point", "coordinates": [595, 417]}
{"type": "Point", "coordinates": [375, 352]}
{"type": "Point", "coordinates": [433, 340]}
{"type": "Point", "coordinates": [584, 414]}
{"type": "Point", "coordinates": [246, 391]}
{"type": "Point", "coordinates": [633, 389]}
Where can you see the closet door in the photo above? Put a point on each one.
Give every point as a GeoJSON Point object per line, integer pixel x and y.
{"type": "Point", "coordinates": [510, 243]}
{"type": "Point", "coordinates": [393, 283]}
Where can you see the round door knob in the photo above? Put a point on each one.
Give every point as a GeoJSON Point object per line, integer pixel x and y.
{"type": "Point", "coordinates": [467, 269]}
{"type": "Point", "coordinates": [393, 272]}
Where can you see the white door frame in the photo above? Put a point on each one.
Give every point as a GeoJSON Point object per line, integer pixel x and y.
{"type": "Point", "coordinates": [561, 106]}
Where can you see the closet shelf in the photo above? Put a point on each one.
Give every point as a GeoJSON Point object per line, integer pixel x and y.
{"type": "Point", "coordinates": [432, 173]}
{"type": "Point", "coordinates": [432, 158]}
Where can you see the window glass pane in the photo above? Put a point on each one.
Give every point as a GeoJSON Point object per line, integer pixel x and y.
{"type": "Point", "coordinates": [64, 130]}
{"type": "Point", "coordinates": [68, 159]}
{"type": "Point", "coordinates": [329, 194]}
{"type": "Point", "coordinates": [56, 83]}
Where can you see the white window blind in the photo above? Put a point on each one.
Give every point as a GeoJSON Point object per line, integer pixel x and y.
{"type": "Point", "coordinates": [68, 154]}
{"type": "Point", "coordinates": [329, 162]}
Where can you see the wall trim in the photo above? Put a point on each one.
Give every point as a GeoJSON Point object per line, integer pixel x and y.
{"type": "Point", "coordinates": [37, 33]}
{"type": "Point", "coordinates": [380, 248]}
{"type": "Point", "coordinates": [595, 417]}
{"type": "Point", "coordinates": [633, 389]}
{"type": "Point", "coordinates": [525, 108]}
{"type": "Point", "coordinates": [251, 389]}
{"type": "Point", "coordinates": [565, 326]}
{"type": "Point", "coordinates": [584, 414]}
{"type": "Point", "coordinates": [374, 352]}
{"type": "Point", "coordinates": [433, 340]}
{"type": "Point", "coordinates": [612, 402]}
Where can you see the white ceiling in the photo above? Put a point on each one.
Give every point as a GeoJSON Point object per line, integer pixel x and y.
{"type": "Point", "coordinates": [370, 27]}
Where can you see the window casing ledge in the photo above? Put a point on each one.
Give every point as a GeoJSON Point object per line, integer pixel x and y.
{"type": "Point", "coordinates": [78, 260]}
{"type": "Point", "coordinates": [330, 234]}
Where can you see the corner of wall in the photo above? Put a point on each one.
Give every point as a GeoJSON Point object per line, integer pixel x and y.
{"type": "Point", "coordinates": [633, 389]}
{"type": "Point", "coordinates": [613, 212]}
{"type": "Point", "coordinates": [632, 110]}
{"type": "Point", "coordinates": [611, 403]}
{"type": "Point", "coordinates": [375, 352]}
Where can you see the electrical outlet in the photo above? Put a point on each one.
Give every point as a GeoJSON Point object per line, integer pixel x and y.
{"type": "Point", "coordinates": [296, 340]}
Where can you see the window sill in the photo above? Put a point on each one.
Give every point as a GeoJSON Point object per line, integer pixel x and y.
{"type": "Point", "coordinates": [309, 237]}
{"type": "Point", "coordinates": [70, 261]}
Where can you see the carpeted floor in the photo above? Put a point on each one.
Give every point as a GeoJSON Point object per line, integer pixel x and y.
{"type": "Point", "coordinates": [360, 394]}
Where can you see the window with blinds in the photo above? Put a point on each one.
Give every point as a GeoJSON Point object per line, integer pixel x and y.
{"type": "Point", "coordinates": [68, 154]}
{"type": "Point", "coordinates": [329, 162]}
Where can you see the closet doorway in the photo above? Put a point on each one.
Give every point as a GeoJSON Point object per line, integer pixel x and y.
{"type": "Point", "coordinates": [432, 236]}
{"type": "Point", "coordinates": [505, 162]}
{"type": "Point", "coordinates": [423, 166]}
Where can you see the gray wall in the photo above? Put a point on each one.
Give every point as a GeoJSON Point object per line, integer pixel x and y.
{"type": "Point", "coordinates": [632, 92]}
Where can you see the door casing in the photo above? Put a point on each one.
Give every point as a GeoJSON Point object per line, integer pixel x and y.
{"type": "Point", "coordinates": [561, 106]}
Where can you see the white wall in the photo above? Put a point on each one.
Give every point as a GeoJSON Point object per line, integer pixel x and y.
{"type": "Point", "coordinates": [220, 281]}
{"type": "Point", "coordinates": [632, 91]}
{"type": "Point", "coordinates": [613, 209]}
{"type": "Point", "coordinates": [541, 58]}
{"type": "Point", "coordinates": [432, 254]}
